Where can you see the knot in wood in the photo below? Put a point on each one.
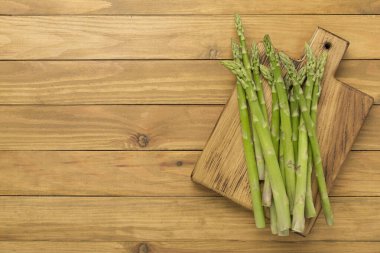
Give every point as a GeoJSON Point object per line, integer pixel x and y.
{"type": "Point", "coordinates": [142, 140]}
{"type": "Point", "coordinates": [213, 53]}
{"type": "Point", "coordinates": [179, 163]}
{"type": "Point", "coordinates": [143, 248]}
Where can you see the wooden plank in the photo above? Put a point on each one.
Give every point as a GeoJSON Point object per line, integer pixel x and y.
{"type": "Point", "coordinates": [359, 175]}
{"type": "Point", "coordinates": [146, 7]}
{"type": "Point", "coordinates": [99, 173]}
{"type": "Point", "coordinates": [114, 82]}
{"type": "Point", "coordinates": [189, 247]}
{"type": "Point", "coordinates": [175, 37]}
{"type": "Point", "coordinates": [121, 82]}
{"type": "Point", "coordinates": [369, 138]}
{"type": "Point", "coordinates": [362, 75]}
{"type": "Point", "coordinates": [114, 127]}
{"type": "Point", "coordinates": [155, 219]}
{"type": "Point", "coordinates": [126, 127]}
{"type": "Point", "coordinates": [109, 173]}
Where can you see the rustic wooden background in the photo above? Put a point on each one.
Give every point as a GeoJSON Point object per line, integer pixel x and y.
{"type": "Point", "coordinates": [107, 104]}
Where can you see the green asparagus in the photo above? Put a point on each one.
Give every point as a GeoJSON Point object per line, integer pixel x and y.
{"type": "Point", "coordinates": [253, 177]}
{"type": "Point", "coordinates": [309, 86]}
{"type": "Point", "coordinates": [247, 65]}
{"type": "Point", "coordinates": [278, 189]}
{"type": "Point", "coordinates": [310, 126]}
{"type": "Point", "coordinates": [286, 126]}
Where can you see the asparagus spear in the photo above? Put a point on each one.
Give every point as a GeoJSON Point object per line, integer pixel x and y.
{"type": "Point", "coordinates": [252, 170]}
{"type": "Point", "coordinates": [275, 126]}
{"type": "Point", "coordinates": [249, 151]}
{"type": "Point", "coordinates": [273, 219]}
{"type": "Point", "coordinates": [294, 111]}
{"type": "Point", "coordinates": [309, 202]}
{"type": "Point", "coordinates": [275, 121]}
{"type": "Point", "coordinates": [248, 68]}
{"type": "Point", "coordinates": [279, 192]}
{"type": "Point", "coordinates": [275, 132]}
{"type": "Point", "coordinates": [309, 86]}
{"type": "Point", "coordinates": [320, 65]}
{"type": "Point", "coordinates": [298, 222]}
{"type": "Point", "coordinates": [253, 177]}
{"type": "Point", "coordinates": [255, 65]}
{"type": "Point", "coordinates": [286, 126]}
{"type": "Point", "coordinates": [317, 86]}
{"type": "Point", "coordinates": [281, 157]}
{"type": "Point", "coordinates": [267, 191]}
{"type": "Point", "coordinates": [310, 73]}
{"type": "Point", "coordinates": [310, 126]}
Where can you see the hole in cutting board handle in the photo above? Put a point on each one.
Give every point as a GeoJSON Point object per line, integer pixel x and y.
{"type": "Point", "coordinates": [327, 45]}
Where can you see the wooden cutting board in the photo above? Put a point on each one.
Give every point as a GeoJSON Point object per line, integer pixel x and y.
{"type": "Point", "coordinates": [341, 113]}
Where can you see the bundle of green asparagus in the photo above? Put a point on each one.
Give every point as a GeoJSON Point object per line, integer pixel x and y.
{"type": "Point", "coordinates": [281, 150]}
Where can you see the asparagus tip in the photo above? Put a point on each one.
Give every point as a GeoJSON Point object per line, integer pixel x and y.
{"type": "Point", "coordinates": [266, 73]}
{"type": "Point", "coordinates": [238, 24]}
{"type": "Point", "coordinates": [308, 51]}
{"type": "Point", "coordinates": [236, 50]}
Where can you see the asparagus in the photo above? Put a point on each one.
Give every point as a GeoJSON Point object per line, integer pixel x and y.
{"type": "Point", "coordinates": [275, 129]}
{"type": "Point", "coordinates": [273, 219]}
{"type": "Point", "coordinates": [310, 73]}
{"type": "Point", "coordinates": [310, 209]}
{"type": "Point", "coordinates": [294, 111]}
{"type": "Point", "coordinates": [248, 68]}
{"type": "Point", "coordinates": [298, 222]}
{"type": "Point", "coordinates": [283, 233]}
{"type": "Point", "coordinates": [275, 126]}
{"type": "Point", "coordinates": [309, 202]}
{"type": "Point", "coordinates": [281, 157]}
{"type": "Point", "coordinates": [310, 126]}
{"type": "Point", "coordinates": [275, 121]}
{"type": "Point", "coordinates": [255, 65]}
{"type": "Point", "coordinates": [253, 177]}
{"type": "Point", "coordinates": [267, 191]}
{"type": "Point", "coordinates": [317, 86]}
{"type": "Point", "coordinates": [275, 133]}
{"type": "Point", "coordinates": [309, 86]}
{"type": "Point", "coordinates": [279, 192]}
{"type": "Point", "coordinates": [286, 126]}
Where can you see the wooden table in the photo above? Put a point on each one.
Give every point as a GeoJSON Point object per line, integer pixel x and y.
{"type": "Point", "coordinates": [107, 104]}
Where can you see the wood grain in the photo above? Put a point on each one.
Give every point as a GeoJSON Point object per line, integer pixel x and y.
{"type": "Point", "coordinates": [114, 82]}
{"type": "Point", "coordinates": [362, 75]}
{"type": "Point", "coordinates": [121, 82]}
{"type": "Point", "coordinates": [106, 127]}
{"type": "Point", "coordinates": [110, 173]}
{"type": "Point", "coordinates": [99, 173]}
{"type": "Point", "coordinates": [155, 219]}
{"type": "Point", "coordinates": [116, 7]}
{"type": "Point", "coordinates": [175, 37]}
{"type": "Point", "coordinates": [369, 138]}
{"type": "Point", "coordinates": [126, 127]}
{"type": "Point", "coordinates": [190, 247]}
